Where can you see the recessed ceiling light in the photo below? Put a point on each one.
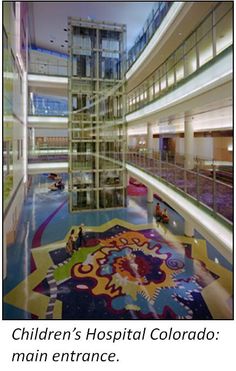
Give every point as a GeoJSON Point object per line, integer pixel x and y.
{"type": "Point", "coordinates": [51, 41]}
{"type": "Point", "coordinates": [65, 29]}
{"type": "Point", "coordinates": [66, 41]}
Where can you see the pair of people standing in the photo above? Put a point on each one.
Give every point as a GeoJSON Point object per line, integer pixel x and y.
{"type": "Point", "coordinates": [74, 242]}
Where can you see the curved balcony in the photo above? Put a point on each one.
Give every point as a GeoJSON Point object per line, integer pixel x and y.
{"type": "Point", "coordinates": [201, 186]}
{"type": "Point", "coordinates": [212, 38]}
{"type": "Point", "coordinates": [217, 233]}
{"type": "Point", "coordinates": [153, 22]}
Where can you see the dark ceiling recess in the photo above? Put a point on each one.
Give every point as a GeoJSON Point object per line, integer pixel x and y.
{"type": "Point", "coordinates": [62, 46]}
{"type": "Point", "coordinates": [65, 29]}
{"type": "Point", "coordinates": [66, 41]}
{"type": "Point", "coordinates": [51, 41]}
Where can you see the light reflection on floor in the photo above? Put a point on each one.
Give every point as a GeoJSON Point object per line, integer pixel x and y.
{"type": "Point", "coordinates": [144, 271]}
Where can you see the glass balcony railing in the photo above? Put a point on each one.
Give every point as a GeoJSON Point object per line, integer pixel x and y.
{"type": "Point", "coordinates": [47, 106]}
{"type": "Point", "coordinates": [59, 69]}
{"type": "Point", "coordinates": [210, 185]}
{"type": "Point", "coordinates": [210, 38]}
{"type": "Point", "coordinates": [48, 154]}
{"type": "Point", "coordinates": [153, 22]}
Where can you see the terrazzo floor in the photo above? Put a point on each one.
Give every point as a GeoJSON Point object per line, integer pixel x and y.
{"type": "Point", "coordinates": [131, 267]}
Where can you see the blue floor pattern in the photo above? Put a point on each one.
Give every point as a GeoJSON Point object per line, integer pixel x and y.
{"type": "Point", "coordinates": [41, 203]}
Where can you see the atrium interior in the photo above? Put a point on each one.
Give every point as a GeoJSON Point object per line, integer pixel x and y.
{"type": "Point", "coordinates": [117, 160]}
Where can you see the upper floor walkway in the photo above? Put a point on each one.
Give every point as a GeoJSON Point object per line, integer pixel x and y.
{"type": "Point", "coordinates": [201, 62]}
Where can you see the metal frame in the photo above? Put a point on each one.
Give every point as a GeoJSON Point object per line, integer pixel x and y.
{"type": "Point", "coordinates": [95, 133]}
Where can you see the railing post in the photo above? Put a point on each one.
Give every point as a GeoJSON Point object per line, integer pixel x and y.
{"type": "Point", "coordinates": [197, 180]}
{"type": "Point", "coordinates": [185, 178]}
{"type": "Point", "coordinates": [175, 169]}
{"type": "Point", "coordinates": [167, 167]}
{"type": "Point", "coordinates": [185, 181]}
{"type": "Point", "coordinates": [160, 166]}
{"type": "Point", "coordinates": [214, 187]}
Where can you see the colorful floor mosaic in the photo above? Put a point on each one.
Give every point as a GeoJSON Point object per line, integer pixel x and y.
{"type": "Point", "coordinates": [125, 271]}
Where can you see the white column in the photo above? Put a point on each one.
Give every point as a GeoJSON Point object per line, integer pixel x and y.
{"type": "Point", "coordinates": [149, 195]}
{"type": "Point", "coordinates": [188, 143]}
{"type": "Point", "coordinates": [188, 229]}
{"type": "Point", "coordinates": [149, 138]}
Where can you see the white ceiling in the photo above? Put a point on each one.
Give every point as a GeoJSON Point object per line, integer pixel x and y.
{"type": "Point", "coordinates": [48, 19]}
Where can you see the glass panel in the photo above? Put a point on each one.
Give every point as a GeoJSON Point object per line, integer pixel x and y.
{"type": "Point", "coordinates": [222, 9]}
{"type": "Point", "coordinates": [156, 88]}
{"type": "Point", "coordinates": [110, 66]}
{"type": "Point", "coordinates": [83, 131]}
{"type": "Point", "coordinates": [82, 162]}
{"type": "Point", "coordinates": [151, 89]}
{"type": "Point", "coordinates": [82, 180]}
{"type": "Point", "coordinates": [204, 28]}
{"type": "Point", "coordinates": [110, 198]}
{"type": "Point", "coordinates": [224, 34]}
{"type": "Point", "coordinates": [83, 200]}
{"type": "Point", "coordinates": [191, 183]}
{"type": "Point", "coordinates": [179, 53]}
{"type": "Point", "coordinates": [205, 49]}
{"type": "Point", "coordinates": [179, 178]}
{"type": "Point", "coordinates": [190, 62]}
{"type": "Point", "coordinates": [170, 173]}
{"type": "Point", "coordinates": [84, 38]}
{"type": "Point", "coordinates": [206, 191]}
{"type": "Point", "coordinates": [179, 70]}
{"type": "Point", "coordinates": [48, 106]}
{"type": "Point", "coordinates": [163, 77]}
{"type": "Point", "coordinates": [224, 196]}
{"type": "Point", "coordinates": [109, 163]}
{"type": "Point", "coordinates": [109, 40]}
{"type": "Point", "coordinates": [170, 62]}
{"type": "Point", "coordinates": [110, 179]}
{"type": "Point", "coordinates": [171, 77]}
{"type": "Point", "coordinates": [189, 43]}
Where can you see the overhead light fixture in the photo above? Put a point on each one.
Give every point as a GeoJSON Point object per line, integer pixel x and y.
{"type": "Point", "coordinates": [65, 29]}
{"type": "Point", "coordinates": [66, 41]}
{"type": "Point", "coordinates": [230, 147]}
{"type": "Point", "coordinates": [62, 46]}
{"type": "Point", "coordinates": [51, 41]}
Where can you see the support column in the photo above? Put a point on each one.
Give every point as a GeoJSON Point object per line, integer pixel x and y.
{"type": "Point", "coordinates": [188, 229]}
{"type": "Point", "coordinates": [188, 143]}
{"type": "Point", "coordinates": [149, 195]}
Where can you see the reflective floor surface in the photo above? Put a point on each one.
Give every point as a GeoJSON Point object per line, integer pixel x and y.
{"type": "Point", "coordinates": [131, 267]}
